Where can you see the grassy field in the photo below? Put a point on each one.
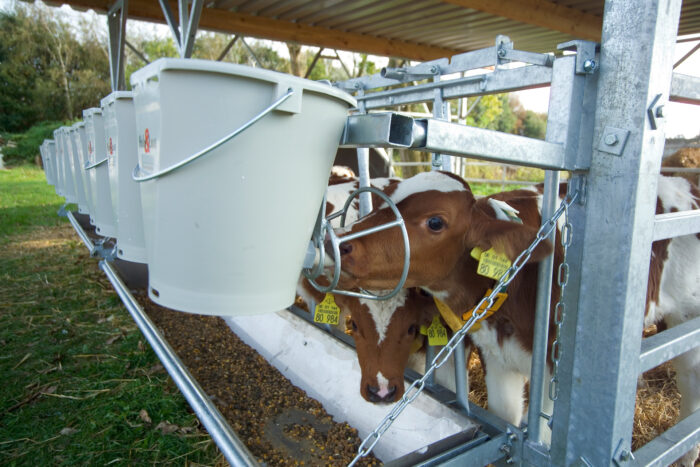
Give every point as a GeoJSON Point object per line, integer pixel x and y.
{"type": "Point", "coordinates": [80, 384]}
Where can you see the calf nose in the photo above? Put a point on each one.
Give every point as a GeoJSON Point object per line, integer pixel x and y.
{"type": "Point", "coordinates": [381, 395]}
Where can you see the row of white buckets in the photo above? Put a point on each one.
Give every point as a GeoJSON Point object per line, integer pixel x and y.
{"type": "Point", "coordinates": [210, 173]}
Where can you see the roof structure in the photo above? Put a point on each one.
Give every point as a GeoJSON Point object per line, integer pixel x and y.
{"type": "Point", "coordinates": [413, 29]}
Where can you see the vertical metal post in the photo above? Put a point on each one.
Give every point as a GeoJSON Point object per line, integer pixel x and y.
{"type": "Point", "coordinates": [189, 22]}
{"type": "Point", "coordinates": [363, 169]}
{"type": "Point", "coordinates": [116, 25]}
{"type": "Point", "coordinates": [461, 377]}
{"type": "Point", "coordinates": [601, 337]}
{"type": "Point", "coordinates": [441, 110]}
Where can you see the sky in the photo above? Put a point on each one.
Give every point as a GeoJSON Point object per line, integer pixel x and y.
{"type": "Point", "coordinates": [681, 120]}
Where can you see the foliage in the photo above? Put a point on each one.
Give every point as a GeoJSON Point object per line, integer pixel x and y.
{"type": "Point", "coordinates": [46, 73]}
{"type": "Point", "coordinates": [24, 147]}
{"type": "Point", "coordinates": [76, 371]}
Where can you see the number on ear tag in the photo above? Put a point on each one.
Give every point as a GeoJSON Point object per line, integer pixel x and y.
{"type": "Point", "coordinates": [493, 264]}
{"type": "Point", "coordinates": [437, 334]}
{"type": "Point", "coordinates": [327, 312]}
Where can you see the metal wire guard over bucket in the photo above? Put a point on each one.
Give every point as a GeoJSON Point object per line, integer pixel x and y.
{"type": "Point", "coordinates": [325, 228]}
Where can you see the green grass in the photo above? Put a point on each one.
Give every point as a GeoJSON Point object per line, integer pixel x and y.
{"type": "Point", "coordinates": [26, 201]}
{"type": "Point", "coordinates": [76, 371]}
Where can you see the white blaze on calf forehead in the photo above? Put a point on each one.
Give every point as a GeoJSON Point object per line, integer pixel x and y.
{"type": "Point", "coordinates": [382, 311]}
{"type": "Point", "coordinates": [426, 181]}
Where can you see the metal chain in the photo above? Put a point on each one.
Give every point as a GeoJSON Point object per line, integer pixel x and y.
{"type": "Point", "coordinates": [418, 385]}
{"type": "Point", "coordinates": [560, 307]}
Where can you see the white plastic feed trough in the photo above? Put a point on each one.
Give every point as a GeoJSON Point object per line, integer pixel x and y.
{"type": "Point", "coordinates": [98, 173]}
{"type": "Point", "coordinates": [69, 192]}
{"type": "Point", "coordinates": [228, 221]}
{"type": "Point", "coordinates": [80, 154]}
{"type": "Point", "coordinates": [120, 143]}
{"type": "Point", "coordinates": [58, 165]}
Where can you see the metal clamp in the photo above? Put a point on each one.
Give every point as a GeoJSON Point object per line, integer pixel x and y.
{"type": "Point", "coordinates": [326, 229]}
{"type": "Point", "coordinates": [89, 166]}
{"type": "Point", "coordinates": [142, 178]}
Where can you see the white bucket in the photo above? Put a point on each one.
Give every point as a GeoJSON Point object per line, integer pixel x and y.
{"type": "Point", "coordinates": [47, 149]}
{"type": "Point", "coordinates": [58, 165]}
{"type": "Point", "coordinates": [75, 148]}
{"type": "Point", "coordinates": [120, 141]}
{"type": "Point", "coordinates": [98, 173]}
{"type": "Point", "coordinates": [80, 154]}
{"type": "Point", "coordinates": [227, 234]}
{"type": "Point", "coordinates": [69, 192]}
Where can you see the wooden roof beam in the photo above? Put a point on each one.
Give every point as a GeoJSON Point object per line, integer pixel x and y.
{"type": "Point", "coordinates": [265, 28]}
{"type": "Point", "coordinates": [540, 13]}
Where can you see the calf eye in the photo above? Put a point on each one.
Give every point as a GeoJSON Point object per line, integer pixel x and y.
{"type": "Point", "coordinates": [412, 330]}
{"type": "Point", "coordinates": [436, 224]}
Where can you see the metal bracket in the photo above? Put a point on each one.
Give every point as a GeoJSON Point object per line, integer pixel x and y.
{"type": "Point", "coordinates": [63, 212]}
{"type": "Point", "coordinates": [513, 448]}
{"type": "Point", "coordinates": [622, 455]}
{"type": "Point", "coordinates": [613, 140]}
{"type": "Point", "coordinates": [586, 59]}
{"type": "Point", "coordinates": [655, 111]}
{"type": "Point", "coordinates": [581, 462]}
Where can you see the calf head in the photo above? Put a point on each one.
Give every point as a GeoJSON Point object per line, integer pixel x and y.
{"type": "Point", "coordinates": [444, 222]}
{"type": "Point", "coordinates": [384, 334]}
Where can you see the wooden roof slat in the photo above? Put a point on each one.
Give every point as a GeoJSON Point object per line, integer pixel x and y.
{"type": "Point", "coordinates": [419, 11]}
{"type": "Point", "coordinates": [540, 13]}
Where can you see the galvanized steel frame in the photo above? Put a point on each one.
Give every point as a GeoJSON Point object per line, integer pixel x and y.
{"type": "Point", "coordinates": [604, 126]}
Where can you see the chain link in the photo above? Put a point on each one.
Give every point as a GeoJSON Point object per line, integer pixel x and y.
{"type": "Point", "coordinates": [418, 385]}
{"type": "Point", "coordinates": [560, 307]}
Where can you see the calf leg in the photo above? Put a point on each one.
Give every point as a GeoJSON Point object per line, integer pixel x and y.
{"type": "Point", "coordinates": [505, 392]}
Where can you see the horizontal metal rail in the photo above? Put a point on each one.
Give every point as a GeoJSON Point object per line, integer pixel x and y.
{"type": "Point", "coordinates": [671, 444]}
{"type": "Point", "coordinates": [676, 224]}
{"type": "Point", "coordinates": [516, 79]}
{"type": "Point", "coordinates": [231, 447]}
{"type": "Point", "coordinates": [468, 455]}
{"type": "Point", "coordinates": [461, 140]}
{"type": "Point", "coordinates": [685, 89]}
{"type": "Point", "coordinates": [394, 130]}
{"type": "Point", "coordinates": [668, 344]}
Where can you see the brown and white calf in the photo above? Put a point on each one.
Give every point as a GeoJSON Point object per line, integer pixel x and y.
{"type": "Point", "coordinates": [445, 222]}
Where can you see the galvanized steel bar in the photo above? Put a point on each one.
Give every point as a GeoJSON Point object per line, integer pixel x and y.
{"type": "Point", "coordinates": [671, 444]}
{"type": "Point", "coordinates": [484, 454]}
{"type": "Point", "coordinates": [503, 80]}
{"type": "Point", "coordinates": [231, 447]}
{"type": "Point", "coordinates": [669, 344]}
{"type": "Point", "coordinates": [593, 415]}
{"type": "Point", "coordinates": [116, 24]}
{"type": "Point", "coordinates": [685, 89]}
{"type": "Point", "coordinates": [363, 169]}
{"type": "Point", "coordinates": [81, 233]}
{"type": "Point", "coordinates": [461, 377]}
{"type": "Point", "coordinates": [676, 224]}
{"type": "Point", "coordinates": [462, 140]}
{"type": "Point", "coordinates": [539, 374]}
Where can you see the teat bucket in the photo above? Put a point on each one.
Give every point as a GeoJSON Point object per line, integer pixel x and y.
{"type": "Point", "coordinates": [75, 146]}
{"type": "Point", "coordinates": [68, 183]}
{"type": "Point", "coordinates": [233, 165]}
{"type": "Point", "coordinates": [120, 143]}
{"type": "Point", "coordinates": [98, 173]}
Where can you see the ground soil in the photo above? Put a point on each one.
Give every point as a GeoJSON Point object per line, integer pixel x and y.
{"type": "Point", "coordinates": [277, 421]}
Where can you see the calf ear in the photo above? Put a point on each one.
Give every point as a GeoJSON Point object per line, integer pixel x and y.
{"type": "Point", "coordinates": [510, 238]}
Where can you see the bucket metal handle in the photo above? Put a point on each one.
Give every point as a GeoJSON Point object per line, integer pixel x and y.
{"type": "Point", "coordinates": [88, 165]}
{"type": "Point", "coordinates": [311, 275]}
{"type": "Point", "coordinates": [142, 178]}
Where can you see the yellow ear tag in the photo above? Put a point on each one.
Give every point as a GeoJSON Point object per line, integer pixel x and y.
{"type": "Point", "coordinates": [437, 334]}
{"type": "Point", "coordinates": [327, 312]}
{"type": "Point", "coordinates": [476, 253]}
{"type": "Point", "coordinates": [493, 264]}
